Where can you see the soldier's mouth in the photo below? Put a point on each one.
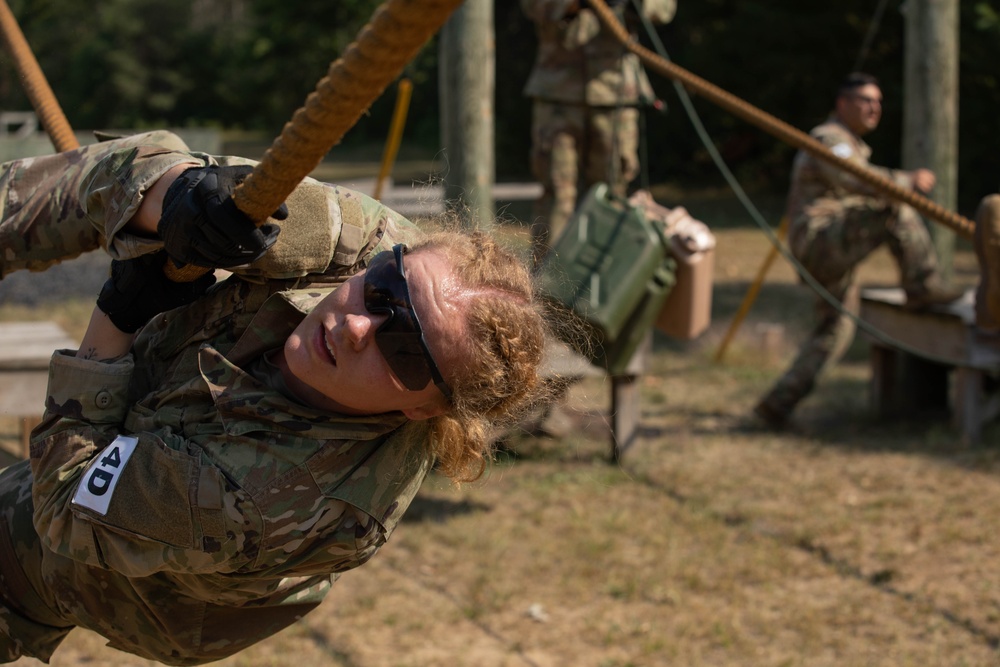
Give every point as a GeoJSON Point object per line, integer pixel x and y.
{"type": "Point", "coordinates": [324, 336]}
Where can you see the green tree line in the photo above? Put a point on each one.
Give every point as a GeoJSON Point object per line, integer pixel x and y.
{"type": "Point", "coordinates": [248, 64]}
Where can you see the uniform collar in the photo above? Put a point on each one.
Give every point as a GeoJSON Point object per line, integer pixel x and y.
{"type": "Point", "coordinates": [275, 321]}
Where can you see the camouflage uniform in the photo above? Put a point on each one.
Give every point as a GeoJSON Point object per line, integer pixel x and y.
{"type": "Point", "coordinates": [178, 501]}
{"type": "Point", "coordinates": [586, 89]}
{"type": "Point", "coordinates": [837, 221]}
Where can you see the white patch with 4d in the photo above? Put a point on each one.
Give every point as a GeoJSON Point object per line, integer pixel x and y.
{"type": "Point", "coordinates": [842, 150]}
{"type": "Point", "coordinates": [102, 475]}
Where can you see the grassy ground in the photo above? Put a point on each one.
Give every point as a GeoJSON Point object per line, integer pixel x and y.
{"type": "Point", "coordinates": [844, 541]}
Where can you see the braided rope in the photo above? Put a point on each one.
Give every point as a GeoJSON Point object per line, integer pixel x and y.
{"type": "Point", "coordinates": [35, 85]}
{"type": "Point", "coordinates": [780, 129]}
{"type": "Point", "coordinates": [390, 40]}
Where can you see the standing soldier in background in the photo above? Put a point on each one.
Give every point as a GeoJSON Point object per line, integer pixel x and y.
{"type": "Point", "coordinates": [587, 90]}
{"type": "Point", "coordinates": [837, 221]}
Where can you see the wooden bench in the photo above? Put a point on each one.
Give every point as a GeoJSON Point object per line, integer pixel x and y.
{"type": "Point", "coordinates": [25, 349]}
{"type": "Point", "coordinates": [943, 341]}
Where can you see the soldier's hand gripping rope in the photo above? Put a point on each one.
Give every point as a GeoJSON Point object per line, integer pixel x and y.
{"type": "Point", "coordinates": [201, 224]}
{"type": "Point", "coordinates": [138, 290]}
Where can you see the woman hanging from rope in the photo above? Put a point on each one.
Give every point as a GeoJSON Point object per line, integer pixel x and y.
{"type": "Point", "coordinates": [216, 453]}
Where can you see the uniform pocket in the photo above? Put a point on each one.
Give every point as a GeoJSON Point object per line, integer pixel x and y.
{"type": "Point", "coordinates": [153, 493]}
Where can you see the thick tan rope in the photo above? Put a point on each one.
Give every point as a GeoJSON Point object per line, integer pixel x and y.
{"type": "Point", "coordinates": [35, 85]}
{"type": "Point", "coordinates": [780, 129]}
{"type": "Point", "coordinates": [390, 40]}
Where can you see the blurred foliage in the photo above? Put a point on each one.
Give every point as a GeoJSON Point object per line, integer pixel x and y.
{"type": "Point", "coordinates": [248, 64]}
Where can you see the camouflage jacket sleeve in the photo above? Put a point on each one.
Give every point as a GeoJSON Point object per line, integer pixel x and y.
{"type": "Point", "coordinates": [41, 219]}
{"type": "Point", "coordinates": [844, 144]}
{"type": "Point", "coordinates": [329, 229]}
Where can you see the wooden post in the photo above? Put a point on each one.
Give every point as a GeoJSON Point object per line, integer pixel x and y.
{"type": "Point", "coordinates": [467, 75]}
{"type": "Point", "coordinates": [930, 113]}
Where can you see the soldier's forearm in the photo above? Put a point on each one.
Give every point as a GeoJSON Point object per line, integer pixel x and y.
{"type": "Point", "coordinates": [148, 214]}
{"type": "Point", "coordinates": [114, 188]}
{"type": "Point", "coordinates": [103, 341]}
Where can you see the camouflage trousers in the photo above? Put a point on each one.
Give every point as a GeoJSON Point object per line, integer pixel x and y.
{"type": "Point", "coordinates": [829, 247]}
{"type": "Point", "coordinates": [574, 147]}
{"type": "Point", "coordinates": [28, 626]}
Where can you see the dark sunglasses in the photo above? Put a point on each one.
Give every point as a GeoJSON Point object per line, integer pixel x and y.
{"type": "Point", "coordinates": [399, 338]}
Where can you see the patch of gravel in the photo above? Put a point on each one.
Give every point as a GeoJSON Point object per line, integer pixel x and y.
{"type": "Point", "coordinates": [80, 277]}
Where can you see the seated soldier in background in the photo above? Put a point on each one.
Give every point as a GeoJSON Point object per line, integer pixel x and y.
{"type": "Point", "coordinates": [214, 455]}
{"type": "Point", "coordinates": [837, 221]}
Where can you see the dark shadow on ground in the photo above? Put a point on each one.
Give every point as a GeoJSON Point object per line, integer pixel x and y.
{"type": "Point", "coordinates": [838, 414]}
{"type": "Point", "coordinates": [439, 510]}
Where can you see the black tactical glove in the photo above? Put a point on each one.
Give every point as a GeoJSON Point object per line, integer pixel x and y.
{"type": "Point", "coordinates": [138, 289]}
{"type": "Point", "coordinates": [201, 225]}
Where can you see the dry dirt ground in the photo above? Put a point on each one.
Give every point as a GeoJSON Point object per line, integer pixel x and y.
{"type": "Point", "coordinates": [845, 541]}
